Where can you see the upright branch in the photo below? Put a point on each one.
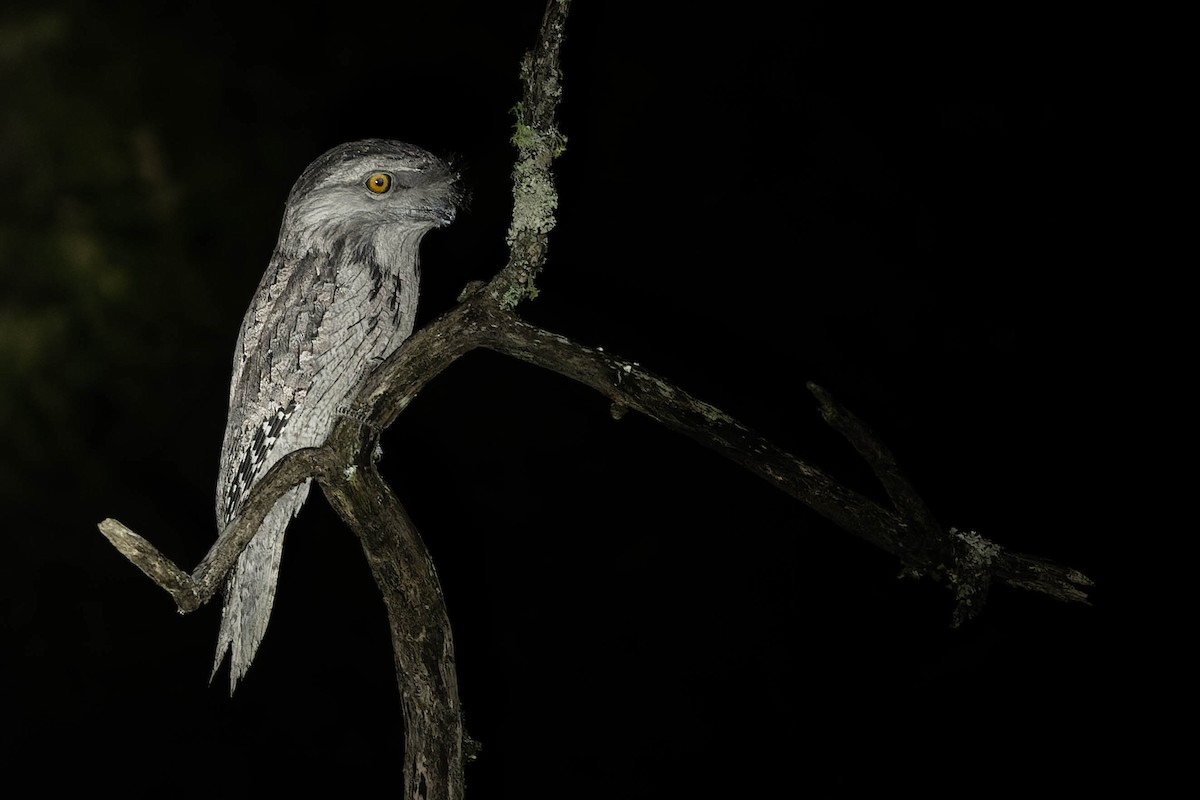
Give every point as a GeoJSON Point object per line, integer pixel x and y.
{"type": "Point", "coordinates": [539, 142]}
{"type": "Point", "coordinates": [436, 745]}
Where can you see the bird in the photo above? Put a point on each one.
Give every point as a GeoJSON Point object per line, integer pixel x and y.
{"type": "Point", "coordinates": [339, 295]}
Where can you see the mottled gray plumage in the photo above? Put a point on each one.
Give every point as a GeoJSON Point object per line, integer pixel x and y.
{"type": "Point", "coordinates": [340, 294]}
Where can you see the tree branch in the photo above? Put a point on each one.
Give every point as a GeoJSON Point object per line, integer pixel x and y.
{"type": "Point", "coordinates": [194, 590]}
{"type": "Point", "coordinates": [403, 569]}
{"type": "Point", "coordinates": [539, 143]}
{"type": "Point", "coordinates": [435, 744]}
{"type": "Point", "coordinates": [909, 530]}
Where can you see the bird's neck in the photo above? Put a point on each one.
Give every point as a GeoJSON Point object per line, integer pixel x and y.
{"type": "Point", "coordinates": [392, 248]}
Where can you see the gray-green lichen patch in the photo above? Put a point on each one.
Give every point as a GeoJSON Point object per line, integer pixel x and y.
{"type": "Point", "coordinates": [534, 200]}
{"type": "Point", "coordinates": [972, 573]}
{"type": "Point", "coordinates": [978, 551]}
{"type": "Point", "coordinates": [517, 292]}
{"type": "Point", "coordinates": [524, 136]}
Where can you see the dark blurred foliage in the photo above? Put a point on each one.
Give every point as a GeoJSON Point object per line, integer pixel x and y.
{"type": "Point", "coordinates": [910, 209]}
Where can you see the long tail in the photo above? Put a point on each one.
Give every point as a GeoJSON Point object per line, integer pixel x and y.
{"type": "Point", "coordinates": [250, 589]}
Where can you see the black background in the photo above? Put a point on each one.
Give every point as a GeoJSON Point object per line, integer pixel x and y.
{"type": "Point", "coordinates": [915, 211]}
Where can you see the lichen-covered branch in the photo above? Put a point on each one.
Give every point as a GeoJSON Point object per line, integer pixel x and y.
{"type": "Point", "coordinates": [966, 559]}
{"type": "Point", "coordinates": [436, 744]}
{"type": "Point", "coordinates": [539, 142]}
{"type": "Point", "coordinates": [908, 530]}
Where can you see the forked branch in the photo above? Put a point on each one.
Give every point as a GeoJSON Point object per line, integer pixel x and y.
{"type": "Point", "coordinates": [436, 745]}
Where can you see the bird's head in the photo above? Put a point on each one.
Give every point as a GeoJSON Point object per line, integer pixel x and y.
{"type": "Point", "coordinates": [371, 184]}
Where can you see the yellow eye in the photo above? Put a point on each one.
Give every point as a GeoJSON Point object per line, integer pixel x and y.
{"type": "Point", "coordinates": [379, 183]}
